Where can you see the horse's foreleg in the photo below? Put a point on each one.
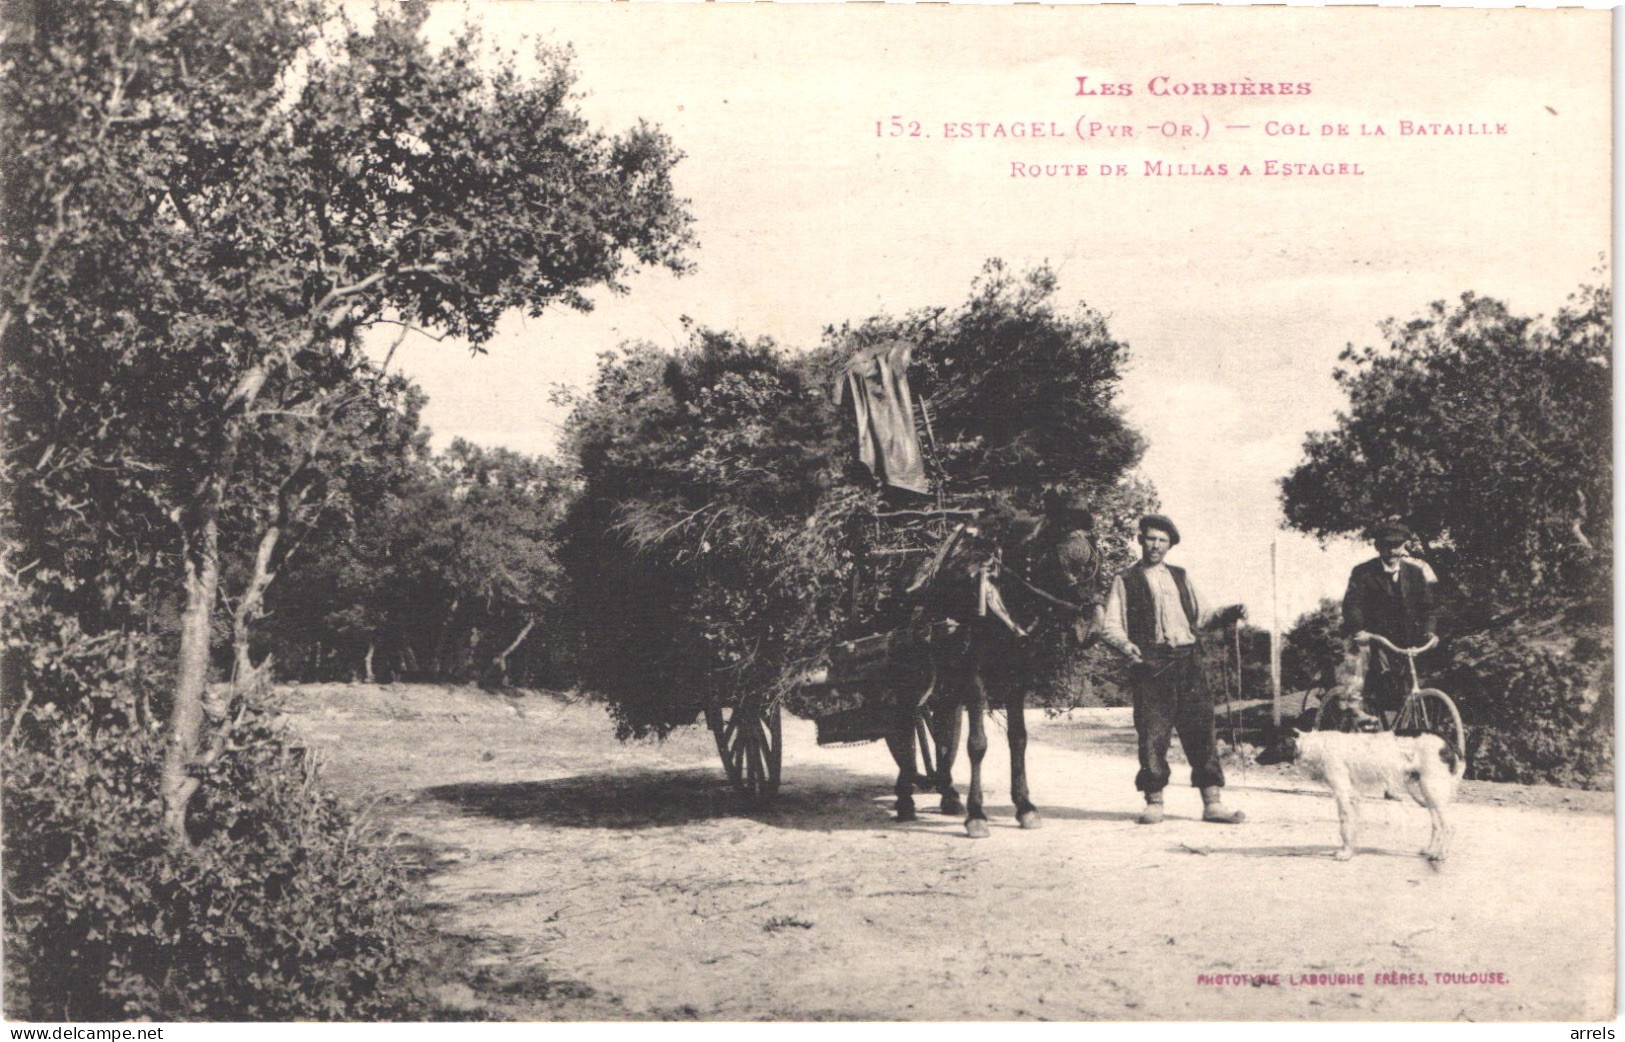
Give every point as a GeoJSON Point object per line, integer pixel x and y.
{"type": "Point", "coordinates": [1016, 724]}
{"type": "Point", "coordinates": [976, 746]}
{"type": "Point", "coordinates": [945, 731]}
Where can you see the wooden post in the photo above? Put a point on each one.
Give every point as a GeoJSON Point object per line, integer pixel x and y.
{"type": "Point", "coordinates": [1275, 640]}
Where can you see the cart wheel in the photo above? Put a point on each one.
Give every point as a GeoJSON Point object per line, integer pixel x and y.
{"type": "Point", "coordinates": [750, 741]}
{"type": "Point", "coordinates": [1432, 711]}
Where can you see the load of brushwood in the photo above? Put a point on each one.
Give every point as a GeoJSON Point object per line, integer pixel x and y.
{"type": "Point", "coordinates": [726, 535]}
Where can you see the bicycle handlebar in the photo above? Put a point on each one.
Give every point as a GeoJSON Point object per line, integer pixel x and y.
{"type": "Point", "coordinates": [1391, 646]}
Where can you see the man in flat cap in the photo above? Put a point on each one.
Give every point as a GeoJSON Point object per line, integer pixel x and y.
{"type": "Point", "coordinates": [1392, 596]}
{"type": "Point", "coordinates": [1154, 616]}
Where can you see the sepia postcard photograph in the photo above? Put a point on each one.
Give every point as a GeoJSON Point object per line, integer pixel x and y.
{"type": "Point", "coordinates": [599, 512]}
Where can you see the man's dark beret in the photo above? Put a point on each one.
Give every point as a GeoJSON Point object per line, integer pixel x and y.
{"type": "Point", "coordinates": [1160, 522]}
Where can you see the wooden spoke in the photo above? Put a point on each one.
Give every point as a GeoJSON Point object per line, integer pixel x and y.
{"type": "Point", "coordinates": [749, 739]}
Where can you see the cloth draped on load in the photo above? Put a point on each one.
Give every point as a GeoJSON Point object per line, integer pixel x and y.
{"type": "Point", "coordinates": [876, 380]}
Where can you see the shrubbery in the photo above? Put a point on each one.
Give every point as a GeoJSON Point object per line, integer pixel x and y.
{"type": "Point", "coordinates": [283, 908]}
{"type": "Point", "coordinates": [1536, 715]}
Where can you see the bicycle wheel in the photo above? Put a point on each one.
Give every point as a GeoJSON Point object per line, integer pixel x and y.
{"type": "Point", "coordinates": [1431, 711]}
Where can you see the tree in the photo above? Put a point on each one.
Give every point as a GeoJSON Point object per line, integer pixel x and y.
{"type": "Point", "coordinates": [207, 206]}
{"type": "Point", "coordinates": [316, 484]}
{"type": "Point", "coordinates": [688, 547]}
{"type": "Point", "coordinates": [1489, 433]}
{"type": "Point", "coordinates": [1313, 649]}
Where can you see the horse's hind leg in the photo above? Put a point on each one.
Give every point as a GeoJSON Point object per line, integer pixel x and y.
{"type": "Point", "coordinates": [901, 744]}
{"type": "Point", "coordinates": [1016, 724]}
{"type": "Point", "coordinates": [976, 746]}
{"type": "Point", "coordinates": [945, 727]}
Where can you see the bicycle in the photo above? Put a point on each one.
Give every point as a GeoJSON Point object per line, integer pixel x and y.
{"type": "Point", "coordinates": [1425, 710]}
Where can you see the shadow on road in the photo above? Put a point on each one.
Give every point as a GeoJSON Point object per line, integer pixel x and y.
{"type": "Point", "coordinates": [818, 799]}
{"type": "Point", "coordinates": [1077, 814]}
{"type": "Point", "coordinates": [1297, 851]}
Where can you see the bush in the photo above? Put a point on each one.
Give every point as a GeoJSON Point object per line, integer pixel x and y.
{"type": "Point", "coordinates": [1534, 715]}
{"type": "Point", "coordinates": [283, 908]}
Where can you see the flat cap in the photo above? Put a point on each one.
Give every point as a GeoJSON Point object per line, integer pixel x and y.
{"type": "Point", "coordinates": [1161, 523]}
{"type": "Point", "coordinates": [1391, 532]}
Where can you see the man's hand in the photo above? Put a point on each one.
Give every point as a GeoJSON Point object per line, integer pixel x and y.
{"type": "Point", "coordinates": [1362, 637]}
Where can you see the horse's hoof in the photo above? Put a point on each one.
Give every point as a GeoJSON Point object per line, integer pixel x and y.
{"type": "Point", "coordinates": [905, 812]}
{"type": "Point", "coordinates": [1029, 819]}
{"type": "Point", "coordinates": [953, 805]}
{"type": "Point", "coordinates": [976, 828]}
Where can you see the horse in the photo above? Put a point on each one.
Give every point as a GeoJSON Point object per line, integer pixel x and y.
{"type": "Point", "coordinates": [964, 651]}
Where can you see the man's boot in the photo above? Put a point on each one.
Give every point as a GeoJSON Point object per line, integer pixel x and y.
{"type": "Point", "coordinates": [1214, 810]}
{"type": "Point", "coordinates": [1152, 814]}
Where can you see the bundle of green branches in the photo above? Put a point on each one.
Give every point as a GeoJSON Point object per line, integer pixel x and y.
{"type": "Point", "coordinates": [725, 537]}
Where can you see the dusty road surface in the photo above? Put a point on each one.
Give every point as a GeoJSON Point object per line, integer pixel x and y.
{"type": "Point", "coordinates": [589, 879]}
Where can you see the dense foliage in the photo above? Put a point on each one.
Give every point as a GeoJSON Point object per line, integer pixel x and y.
{"type": "Point", "coordinates": [1312, 651]}
{"type": "Point", "coordinates": [1490, 434]}
{"type": "Point", "coordinates": [448, 574]}
{"type": "Point", "coordinates": [725, 537]}
{"type": "Point", "coordinates": [285, 907]}
{"type": "Point", "coordinates": [1538, 701]}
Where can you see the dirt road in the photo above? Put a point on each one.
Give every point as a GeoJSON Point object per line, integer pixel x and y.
{"type": "Point", "coordinates": [558, 854]}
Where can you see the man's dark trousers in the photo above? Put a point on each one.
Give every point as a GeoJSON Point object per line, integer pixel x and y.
{"type": "Point", "coordinates": [1171, 694]}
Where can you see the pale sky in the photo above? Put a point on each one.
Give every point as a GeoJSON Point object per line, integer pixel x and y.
{"type": "Point", "coordinates": [1235, 293]}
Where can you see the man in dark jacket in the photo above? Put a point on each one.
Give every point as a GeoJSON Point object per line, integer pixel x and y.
{"type": "Point", "coordinates": [1154, 615]}
{"type": "Point", "coordinates": [1391, 596]}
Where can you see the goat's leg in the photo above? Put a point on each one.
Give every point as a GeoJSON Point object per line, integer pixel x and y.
{"type": "Point", "coordinates": [1348, 816]}
{"type": "Point", "coordinates": [1438, 793]}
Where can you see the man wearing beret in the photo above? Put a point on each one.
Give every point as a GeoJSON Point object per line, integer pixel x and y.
{"type": "Point", "coordinates": [1154, 616]}
{"type": "Point", "coordinates": [1391, 596]}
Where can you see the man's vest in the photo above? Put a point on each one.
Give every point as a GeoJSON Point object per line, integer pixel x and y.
{"type": "Point", "coordinates": [1142, 606]}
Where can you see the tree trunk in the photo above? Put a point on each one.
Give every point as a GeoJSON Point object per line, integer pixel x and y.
{"type": "Point", "coordinates": [371, 647]}
{"type": "Point", "coordinates": [251, 606]}
{"type": "Point", "coordinates": [191, 679]}
{"type": "Point", "coordinates": [438, 663]}
{"type": "Point", "coordinates": [500, 663]}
